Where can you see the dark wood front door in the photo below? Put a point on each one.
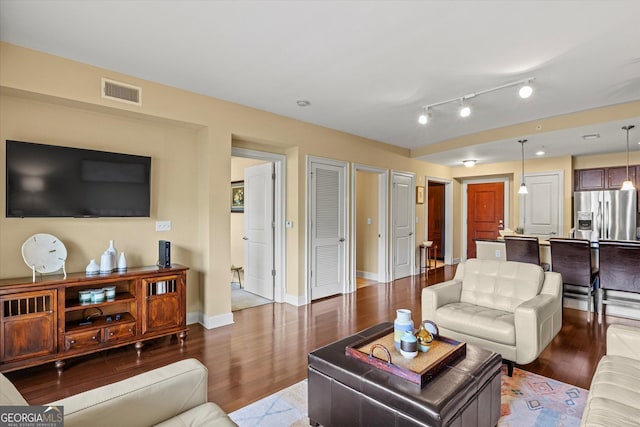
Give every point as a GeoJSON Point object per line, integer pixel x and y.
{"type": "Point", "coordinates": [485, 213]}
{"type": "Point", "coordinates": [435, 208]}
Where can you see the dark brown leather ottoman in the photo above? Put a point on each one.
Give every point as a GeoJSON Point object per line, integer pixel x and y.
{"type": "Point", "coordinates": [344, 391]}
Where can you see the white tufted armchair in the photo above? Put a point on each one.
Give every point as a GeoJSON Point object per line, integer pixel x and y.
{"type": "Point", "coordinates": [511, 308]}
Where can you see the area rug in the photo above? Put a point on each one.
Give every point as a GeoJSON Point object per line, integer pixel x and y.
{"type": "Point", "coordinates": [241, 299]}
{"type": "Point", "coordinates": [528, 400]}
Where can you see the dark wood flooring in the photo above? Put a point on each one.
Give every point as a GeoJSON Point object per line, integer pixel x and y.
{"type": "Point", "coordinates": [266, 348]}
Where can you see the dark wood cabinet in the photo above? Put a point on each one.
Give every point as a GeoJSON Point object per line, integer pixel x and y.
{"type": "Point", "coordinates": [610, 178]}
{"type": "Point", "coordinates": [616, 176]}
{"type": "Point", "coordinates": [28, 321]}
{"type": "Point", "coordinates": [44, 321]}
{"type": "Point", "coordinates": [590, 179]}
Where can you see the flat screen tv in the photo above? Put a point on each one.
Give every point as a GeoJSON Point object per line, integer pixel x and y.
{"type": "Point", "coordinates": [54, 181]}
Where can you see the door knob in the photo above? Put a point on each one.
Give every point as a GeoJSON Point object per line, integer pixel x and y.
{"type": "Point", "coordinates": [341, 239]}
{"type": "Point", "coordinates": [411, 233]}
{"type": "Point", "coordinates": [245, 238]}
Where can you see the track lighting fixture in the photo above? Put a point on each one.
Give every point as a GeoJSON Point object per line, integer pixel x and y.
{"type": "Point", "coordinates": [525, 91]}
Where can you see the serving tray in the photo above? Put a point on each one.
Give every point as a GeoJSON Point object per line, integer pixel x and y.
{"type": "Point", "coordinates": [379, 351]}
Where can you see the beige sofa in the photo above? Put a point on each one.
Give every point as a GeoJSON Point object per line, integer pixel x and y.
{"type": "Point", "coordinates": [511, 308]}
{"type": "Point", "coordinates": [174, 395]}
{"type": "Point", "coordinates": [614, 396]}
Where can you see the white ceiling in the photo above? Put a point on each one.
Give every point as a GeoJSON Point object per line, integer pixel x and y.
{"type": "Point", "coordinates": [367, 67]}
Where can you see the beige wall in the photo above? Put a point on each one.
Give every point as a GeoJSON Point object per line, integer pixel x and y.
{"type": "Point", "coordinates": [189, 137]}
{"type": "Point", "coordinates": [367, 234]}
{"type": "Point", "coordinates": [513, 171]}
{"type": "Point", "coordinates": [173, 151]}
{"type": "Point", "coordinates": [606, 160]}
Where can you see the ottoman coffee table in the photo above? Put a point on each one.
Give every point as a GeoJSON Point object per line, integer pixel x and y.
{"type": "Point", "coordinates": [344, 391]}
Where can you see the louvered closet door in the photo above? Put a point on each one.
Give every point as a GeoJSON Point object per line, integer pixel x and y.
{"type": "Point", "coordinates": [328, 217]}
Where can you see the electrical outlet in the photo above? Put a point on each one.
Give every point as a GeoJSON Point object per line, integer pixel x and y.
{"type": "Point", "coordinates": [163, 225]}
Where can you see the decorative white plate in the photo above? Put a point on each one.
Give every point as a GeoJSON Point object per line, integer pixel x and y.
{"type": "Point", "coordinates": [44, 252]}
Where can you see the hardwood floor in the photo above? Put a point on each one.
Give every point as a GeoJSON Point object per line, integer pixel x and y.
{"type": "Point", "coordinates": [266, 348]}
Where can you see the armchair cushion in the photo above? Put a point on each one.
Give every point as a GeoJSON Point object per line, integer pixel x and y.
{"type": "Point", "coordinates": [174, 395]}
{"type": "Point", "coordinates": [9, 394]}
{"type": "Point", "coordinates": [614, 398]}
{"type": "Point", "coordinates": [500, 285]}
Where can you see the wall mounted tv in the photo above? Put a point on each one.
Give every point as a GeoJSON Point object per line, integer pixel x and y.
{"type": "Point", "coordinates": [53, 181]}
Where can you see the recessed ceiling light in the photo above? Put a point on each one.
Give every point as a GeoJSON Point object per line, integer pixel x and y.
{"type": "Point", "coordinates": [469, 163]}
{"type": "Point", "coordinates": [591, 136]}
{"type": "Point", "coordinates": [540, 153]}
{"type": "Point", "coordinates": [303, 103]}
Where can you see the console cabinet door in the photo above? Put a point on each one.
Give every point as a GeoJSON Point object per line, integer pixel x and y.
{"type": "Point", "coordinates": [28, 325]}
{"type": "Point", "coordinates": [163, 308]}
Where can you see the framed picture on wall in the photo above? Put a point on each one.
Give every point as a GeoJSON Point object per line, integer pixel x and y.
{"type": "Point", "coordinates": [420, 194]}
{"type": "Point", "coordinates": [237, 196]}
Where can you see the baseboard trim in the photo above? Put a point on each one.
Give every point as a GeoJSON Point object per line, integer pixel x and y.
{"type": "Point", "coordinates": [296, 300]}
{"type": "Point", "coordinates": [367, 275]}
{"type": "Point", "coordinates": [210, 322]}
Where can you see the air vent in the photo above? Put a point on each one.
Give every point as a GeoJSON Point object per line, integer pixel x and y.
{"type": "Point", "coordinates": [122, 92]}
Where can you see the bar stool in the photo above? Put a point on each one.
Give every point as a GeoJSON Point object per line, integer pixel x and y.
{"type": "Point", "coordinates": [619, 271]}
{"type": "Point", "coordinates": [524, 249]}
{"type": "Point", "coordinates": [235, 270]}
{"type": "Point", "coordinates": [428, 249]}
{"type": "Point", "coordinates": [572, 259]}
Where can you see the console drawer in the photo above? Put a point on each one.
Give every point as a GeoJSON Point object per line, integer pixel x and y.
{"type": "Point", "coordinates": [118, 332]}
{"type": "Point", "coordinates": [81, 340]}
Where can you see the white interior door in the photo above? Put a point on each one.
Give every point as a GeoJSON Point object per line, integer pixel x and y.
{"type": "Point", "coordinates": [542, 206]}
{"type": "Point", "coordinates": [328, 213]}
{"type": "Point", "coordinates": [403, 225]}
{"type": "Point", "coordinates": [258, 230]}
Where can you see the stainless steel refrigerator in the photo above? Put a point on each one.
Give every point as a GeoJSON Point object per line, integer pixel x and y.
{"type": "Point", "coordinates": [610, 213]}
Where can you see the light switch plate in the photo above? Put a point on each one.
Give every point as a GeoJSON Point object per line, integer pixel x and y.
{"type": "Point", "coordinates": [163, 225]}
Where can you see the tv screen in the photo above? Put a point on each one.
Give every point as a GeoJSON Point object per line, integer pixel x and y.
{"type": "Point", "coordinates": [53, 181]}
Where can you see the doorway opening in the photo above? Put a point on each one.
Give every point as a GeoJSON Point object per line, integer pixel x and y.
{"type": "Point", "coordinates": [439, 221]}
{"type": "Point", "coordinates": [369, 226]}
{"type": "Point", "coordinates": [256, 228]}
{"type": "Point", "coordinates": [436, 220]}
{"type": "Point", "coordinates": [485, 209]}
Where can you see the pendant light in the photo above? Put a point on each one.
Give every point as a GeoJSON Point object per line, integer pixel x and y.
{"type": "Point", "coordinates": [627, 184]}
{"type": "Point", "coordinates": [523, 186]}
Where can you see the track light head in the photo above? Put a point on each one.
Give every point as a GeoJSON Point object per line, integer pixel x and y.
{"type": "Point", "coordinates": [465, 110]}
{"type": "Point", "coordinates": [526, 90]}
{"type": "Point", "coordinates": [423, 118]}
